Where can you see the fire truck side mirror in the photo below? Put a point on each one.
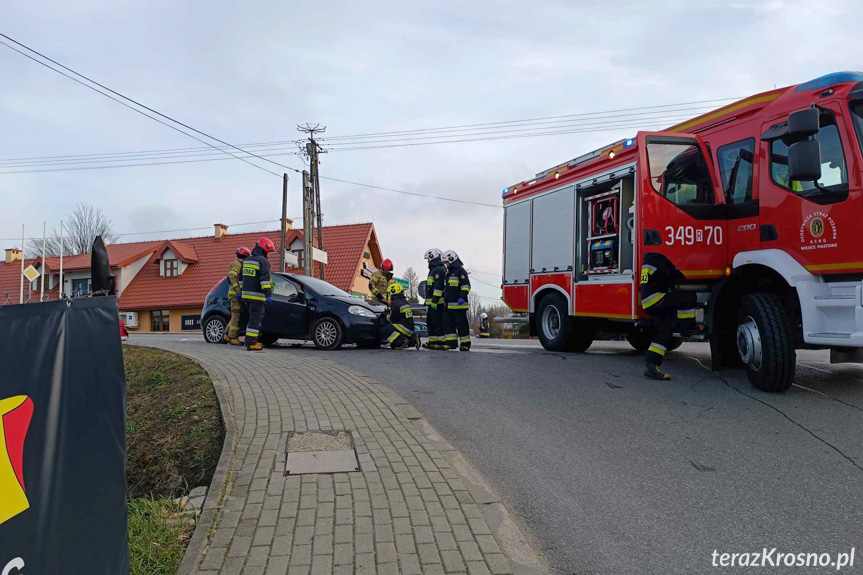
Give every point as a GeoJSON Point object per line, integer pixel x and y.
{"type": "Point", "coordinates": [803, 123]}
{"type": "Point", "coordinates": [804, 161]}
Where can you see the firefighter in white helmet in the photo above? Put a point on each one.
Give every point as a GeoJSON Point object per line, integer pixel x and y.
{"type": "Point", "coordinates": [456, 291]}
{"type": "Point", "coordinates": [434, 298]}
{"type": "Point", "coordinates": [483, 325]}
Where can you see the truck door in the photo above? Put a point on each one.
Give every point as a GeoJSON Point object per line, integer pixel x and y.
{"type": "Point", "coordinates": [682, 210]}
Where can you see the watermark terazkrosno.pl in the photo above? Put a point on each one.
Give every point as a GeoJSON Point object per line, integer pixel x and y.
{"type": "Point", "coordinates": [775, 558]}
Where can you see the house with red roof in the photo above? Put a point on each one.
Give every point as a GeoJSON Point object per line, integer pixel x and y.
{"type": "Point", "coordinates": [162, 284]}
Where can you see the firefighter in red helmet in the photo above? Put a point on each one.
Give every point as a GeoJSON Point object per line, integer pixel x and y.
{"type": "Point", "coordinates": [257, 289]}
{"type": "Point", "coordinates": [380, 281]}
{"type": "Point", "coordinates": [235, 288]}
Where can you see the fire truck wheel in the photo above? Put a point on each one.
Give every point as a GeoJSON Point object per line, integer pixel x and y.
{"type": "Point", "coordinates": [640, 339]}
{"type": "Point", "coordinates": [764, 342]}
{"type": "Point", "coordinates": [556, 330]}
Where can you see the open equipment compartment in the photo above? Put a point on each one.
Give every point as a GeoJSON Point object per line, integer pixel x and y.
{"type": "Point", "coordinates": [606, 247]}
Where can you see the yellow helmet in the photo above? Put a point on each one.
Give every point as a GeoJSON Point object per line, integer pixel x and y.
{"type": "Point", "coordinates": [395, 288]}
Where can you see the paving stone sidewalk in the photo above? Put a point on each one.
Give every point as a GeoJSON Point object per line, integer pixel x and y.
{"type": "Point", "coordinates": [406, 511]}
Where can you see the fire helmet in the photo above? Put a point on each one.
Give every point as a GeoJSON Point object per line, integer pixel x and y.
{"type": "Point", "coordinates": [243, 252]}
{"type": "Point", "coordinates": [395, 288]}
{"type": "Point", "coordinates": [450, 256]}
{"type": "Point", "coordinates": [432, 254]}
{"type": "Point", "coordinates": [267, 245]}
{"type": "Point", "coordinates": [483, 315]}
{"type": "Point", "coordinates": [387, 265]}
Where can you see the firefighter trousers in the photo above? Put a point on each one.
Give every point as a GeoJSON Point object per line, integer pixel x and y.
{"type": "Point", "coordinates": [675, 312]}
{"type": "Point", "coordinates": [234, 324]}
{"type": "Point", "coordinates": [435, 325]}
{"type": "Point", "coordinates": [456, 328]}
{"type": "Point", "coordinates": [256, 318]}
{"type": "Point", "coordinates": [396, 339]}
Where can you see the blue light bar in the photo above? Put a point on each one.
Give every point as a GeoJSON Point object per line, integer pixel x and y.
{"type": "Point", "coordinates": [629, 142]}
{"type": "Point", "coordinates": [505, 192]}
{"type": "Point", "coordinates": [829, 80]}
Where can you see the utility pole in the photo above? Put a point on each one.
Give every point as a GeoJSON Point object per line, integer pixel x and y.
{"type": "Point", "coordinates": [284, 223]}
{"type": "Point", "coordinates": [308, 224]}
{"type": "Point", "coordinates": [21, 295]}
{"type": "Point", "coordinates": [312, 149]}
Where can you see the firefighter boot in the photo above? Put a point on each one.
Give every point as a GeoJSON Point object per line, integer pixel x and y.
{"type": "Point", "coordinates": [419, 342]}
{"type": "Point", "coordinates": [652, 371]}
{"type": "Point", "coordinates": [226, 337]}
{"type": "Point", "coordinates": [255, 347]}
{"type": "Point", "coordinates": [235, 342]}
{"type": "Point", "coordinates": [403, 344]}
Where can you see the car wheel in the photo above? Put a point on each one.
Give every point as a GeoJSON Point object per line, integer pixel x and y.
{"type": "Point", "coordinates": [764, 342]}
{"type": "Point", "coordinates": [214, 329]}
{"type": "Point", "coordinates": [327, 333]}
{"type": "Point", "coordinates": [268, 340]}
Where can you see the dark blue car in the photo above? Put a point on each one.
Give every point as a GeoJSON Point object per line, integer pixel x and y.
{"type": "Point", "coordinates": [302, 308]}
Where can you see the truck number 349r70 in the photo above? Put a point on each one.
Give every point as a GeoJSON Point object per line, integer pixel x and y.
{"type": "Point", "coordinates": [690, 235]}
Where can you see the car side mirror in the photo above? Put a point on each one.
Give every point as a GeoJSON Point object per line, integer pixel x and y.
{"type": "Point", "coordinates": [421, 290]}
{"type": "Point", "coordinates": [804, 161]}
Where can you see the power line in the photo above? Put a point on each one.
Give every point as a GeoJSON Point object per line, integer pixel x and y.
{"type": "Point", "coordinates": [420, 130]}
{"type": "Point", "coordinates": [126, 234]}
{"type": "Point", "coordinates": [411, 193]}
{"type": "Point", "coordinates": [137, 104]}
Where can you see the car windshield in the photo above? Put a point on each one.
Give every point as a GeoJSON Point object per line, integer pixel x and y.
{"type": "Point", "coordinates": [323, 288]}
{"type": "Point", "coordinates": [858, 120]}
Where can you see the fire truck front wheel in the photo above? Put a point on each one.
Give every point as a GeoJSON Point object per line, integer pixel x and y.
{"type": "Point", "coordinates": [557, 330]}
{"type": "Point", "coordinates": [765, 342]}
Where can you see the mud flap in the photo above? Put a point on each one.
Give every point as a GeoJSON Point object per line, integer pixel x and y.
{"type": "Point", "coordinates": [846, 355]}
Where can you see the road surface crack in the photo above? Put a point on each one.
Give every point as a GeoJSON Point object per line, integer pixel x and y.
{"type": "Point", "coordinates": [783, 414]}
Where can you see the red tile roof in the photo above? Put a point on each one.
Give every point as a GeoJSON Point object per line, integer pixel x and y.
{"type": "Point", "coordinates": [185, 252]}
{"type": "Point", "coordinates": [10, 283]}
{"type": "Point", "coordinates": [118, 254]}
{"type": "Point", "coordinates": [149, 290]}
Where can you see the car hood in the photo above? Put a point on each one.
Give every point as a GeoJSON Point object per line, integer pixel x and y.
{"type": "Point", "coordinates": [358, 301]}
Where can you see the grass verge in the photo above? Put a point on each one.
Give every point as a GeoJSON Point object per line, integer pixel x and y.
{"type": "Point", "coordinates": [174, 438]}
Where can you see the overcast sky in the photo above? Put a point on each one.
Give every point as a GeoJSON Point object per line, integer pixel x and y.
{"type": "Point", "coordinates": [248, 72]}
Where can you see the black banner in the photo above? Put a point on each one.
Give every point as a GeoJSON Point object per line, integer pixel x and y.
{"type": "Point", "coordinates": [190, 322]}
{"type": "Point", "coordinates": [62, 439]}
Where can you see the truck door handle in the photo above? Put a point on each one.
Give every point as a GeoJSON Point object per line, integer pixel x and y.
{"type": "Point", "coordinates": [652, 238]}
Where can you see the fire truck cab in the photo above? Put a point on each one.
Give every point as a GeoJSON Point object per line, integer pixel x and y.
{"type": "Point", "coordinates": [758, 205]}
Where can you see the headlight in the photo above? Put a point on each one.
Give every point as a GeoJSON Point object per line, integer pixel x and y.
{"type": "Point", "coordinates": [362, 311]}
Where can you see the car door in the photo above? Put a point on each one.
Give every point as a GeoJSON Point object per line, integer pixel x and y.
{"type": "Point", "coordinates": [682, 209]}
{"type": "Point", "coordinates": [286, 313]}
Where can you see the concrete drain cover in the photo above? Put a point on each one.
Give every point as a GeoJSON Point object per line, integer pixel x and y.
{"type": "Point", "coordinates": [320, 452]}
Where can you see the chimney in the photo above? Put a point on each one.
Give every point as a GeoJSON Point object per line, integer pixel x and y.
{"type": "Point", "coordinates": [289, 224]}
{"type": "Point", "coordinates": [14, 255]}
{"type": "Point", "coordinates": [221, 230]}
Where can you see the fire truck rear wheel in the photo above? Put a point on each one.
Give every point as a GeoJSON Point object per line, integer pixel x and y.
{"type": "Point", "coordinates": [556, 329]}
{"type": "Point", "coordinates": [765, 343]}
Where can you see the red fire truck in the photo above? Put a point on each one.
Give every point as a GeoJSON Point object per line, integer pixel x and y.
{"type": "Point", "coordinates": [758, 205]}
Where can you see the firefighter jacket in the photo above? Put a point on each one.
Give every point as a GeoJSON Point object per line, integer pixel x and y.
{"type": "Point", "coordinates": [401, 315]}
{"type": "Point", "coordinates": [435, 283]}
{"type": "Point", "coordinates": [235, 278]}
{"type": "Point", "coordinates": [657, 275]}
{"type": "Point", "coordinates": [257, 285]}
{"type": "Point", "coordinates": [483, 325]}
{"type": "Point", "coordinates": [456, 286]}
{"type": "Point", "coordinates": [378, 284]}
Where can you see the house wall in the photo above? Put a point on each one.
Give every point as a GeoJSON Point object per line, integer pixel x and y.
{"type": "Point", "coordinates": [361, 283]}
{"type": "Point", "coordinates": [127, 273]}
{"type": "Point", "coordinates": [145, 320]}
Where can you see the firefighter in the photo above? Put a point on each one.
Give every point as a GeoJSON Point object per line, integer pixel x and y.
{"type": "Point", "coordinates": [669, 309]}
{"type": "Point", "coordinates": [235, 288]}
{"type": "Point", "coordinates": [456, 290]}
{"type": "Point", "coordinates": [483, 325]}
{"type": "Point", "coordinates": [380, 281]}
{"type": "Point", "coordinates": [434, 298]}
{"type": "Point", "coordinates": [399, 333]}
{"type": "Point", "coordinates": [257, 289]}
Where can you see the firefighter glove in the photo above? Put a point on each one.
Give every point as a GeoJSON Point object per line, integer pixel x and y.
{"type": "Point", "coordinates": [461, 301]}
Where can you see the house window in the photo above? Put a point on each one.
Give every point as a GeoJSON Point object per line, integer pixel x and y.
{"type": "Point", "coordinates": [161, 320]}
{"type": "Point", "coordinates": [172, 268]}
{"type": "Point", "coordinates": [80, 287]}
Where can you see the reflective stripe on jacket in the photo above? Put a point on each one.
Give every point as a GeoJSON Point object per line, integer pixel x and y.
{"type": "Point", "coordinates": [235, 277]}
{"type": "Point", "coordinates": [456, 286]}
{"type": "Point", "coordinates": [257, 284]}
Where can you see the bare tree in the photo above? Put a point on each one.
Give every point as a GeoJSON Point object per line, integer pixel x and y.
{"type": "Point", "coordinates": [474, 308]}
{"type": "Point", "coordinates": [413, 285]}
{"type": "Point", "coordinates": [79, 231]}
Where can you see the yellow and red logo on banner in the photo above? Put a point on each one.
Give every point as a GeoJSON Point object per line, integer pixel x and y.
{"type": "Point", "coordinates": [15, 415]}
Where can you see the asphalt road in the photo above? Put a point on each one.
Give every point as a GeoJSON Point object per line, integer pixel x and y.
{"type": "Point", "coordinates": [611, 473]}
